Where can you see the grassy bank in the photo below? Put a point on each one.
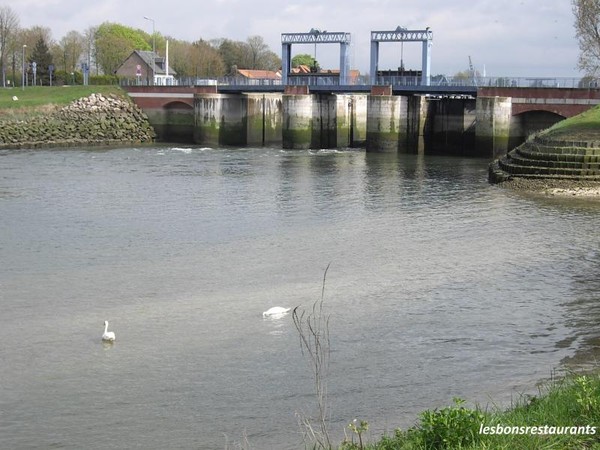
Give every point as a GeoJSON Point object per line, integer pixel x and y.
{"type": "Point", "coordinates": [39, 99]}
{"type": "Point", "coordinates": [580, 127]}
{"type": "Point", "coordinates": [565, 415]}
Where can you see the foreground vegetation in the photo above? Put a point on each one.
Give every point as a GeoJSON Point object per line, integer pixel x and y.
{"type": "Point", "coordinates": [565, 415]}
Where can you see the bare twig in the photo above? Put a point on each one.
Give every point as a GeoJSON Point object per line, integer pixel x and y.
{"type": "Point", "coordinates": [313, 329]}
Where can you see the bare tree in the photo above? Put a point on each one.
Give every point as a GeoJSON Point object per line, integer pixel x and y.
{"type": "Point", "coordinates": [313, 329]}
{"type": "Point", "coordinates": [587, 29]}
{"type": "Point", "coordinates": [72, 47]}
{"type": "Point", "coordinates": [9, 26]}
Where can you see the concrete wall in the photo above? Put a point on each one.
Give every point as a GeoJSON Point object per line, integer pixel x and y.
{"type": "Point", "coordinates": [174, 123]}
{"type": "Point", "coordinates": [297, 128]}
{"type": "Point", "coordinates": [264, 119]}
{"type": "Point", "coordinates": [383, 123]}
{"type": "Point", "coordinates": [324, 120]}
{"type": "Point", "coordinates": [220, 119]}
{"type": "Point", "coordinates": [387, 123]}
{"type": "Point", "coordinates": [492, 130]}
{"type": "Point", "coordinates": [359, 120]}
{"type": "Point", "coordinates": [524, 124]}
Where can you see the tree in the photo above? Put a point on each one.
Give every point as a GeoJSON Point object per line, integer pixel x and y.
{"type": "Point", "coordinates": [71, 48]}
{"type": "Point", "coordinates": [252, 54]}
{"type": "Point", "coordinates": [43, 59]}
{"type": "Point", "coordinates": [9, 26]}
{"type": "Point", "coordinates": [587, 30]}
{"type": "Point", "coordinates": [259, 56]}
{"type": "Point", "coordinates": [114, 43]}
{"type": "Point", "coordinates": [232, 54]}
{"type": "Point", "coordinates": [204, 60]}
{"type": "Point", "coordinates": [304, 59]}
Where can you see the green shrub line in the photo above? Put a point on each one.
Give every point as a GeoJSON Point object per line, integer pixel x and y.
{"type": "Point", "coordinates": [564, 415]}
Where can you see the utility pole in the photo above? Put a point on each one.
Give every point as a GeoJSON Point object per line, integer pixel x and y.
{"type": "Point", "coordinates": [153, 50]}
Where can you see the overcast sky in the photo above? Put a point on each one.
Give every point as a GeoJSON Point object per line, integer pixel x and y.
{"type": "Point", "coordinates": [518, 38]}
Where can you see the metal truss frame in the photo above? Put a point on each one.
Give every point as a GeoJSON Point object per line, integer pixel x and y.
{"type": "Point", "coordinates": [316, 37]}
{"type": "Point", "coordinates": [403, 35]}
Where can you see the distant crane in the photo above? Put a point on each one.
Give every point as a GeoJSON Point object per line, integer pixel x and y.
{"type": "Point", "coordinates": [472, 70]}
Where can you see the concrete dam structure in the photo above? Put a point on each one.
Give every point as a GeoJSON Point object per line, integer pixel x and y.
{"type": "Point", "coordinates": [380, 120]}
{"type": "Point", "coordinates": [380, 123]}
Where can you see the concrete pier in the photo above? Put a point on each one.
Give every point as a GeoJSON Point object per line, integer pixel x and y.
{"type": "Point", "coordinates": [492, 130]}
{"type": "Point", "coordinates": [297, 128]}
{"type": "Point", "coordinates": [380, 122]}
{"type": "Point", "coordinates": [264, 124]}
{"type": "Point", "coordinates": [387, 124]}
{"type": "Point", "coordinates": [220, 119]}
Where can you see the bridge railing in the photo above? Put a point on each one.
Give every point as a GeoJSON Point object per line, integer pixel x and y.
{"type": "Point", "coordinates": [333, 80]}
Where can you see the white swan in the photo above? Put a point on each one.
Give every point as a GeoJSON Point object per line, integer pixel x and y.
{"type": "Point", "coordinates": [276, 311]}
{"type": "Point", "coordinates": [107, 336]}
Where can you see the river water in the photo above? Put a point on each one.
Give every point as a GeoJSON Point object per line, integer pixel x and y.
{"type": "Point", "coordinates": [440, 285]}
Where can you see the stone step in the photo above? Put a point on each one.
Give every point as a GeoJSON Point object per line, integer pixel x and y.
{"type": "Point", "coordinates": [529, 159]}
{"type": "Point", "coordinates": [535, 153]}
{"type": "Point", "coordinates": [509, 166]}
{"type": "Point", "coordinates": [568, 144]}
{"type": "Point", "coordinates": [536, 146]}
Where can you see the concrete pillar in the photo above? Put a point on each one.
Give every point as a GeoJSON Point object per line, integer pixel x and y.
{"type": "Point", "coordinates": [359, 120]}
{"type": "Point", "coordinates": [297, 121]}
{"type": "Point", "coordinates": [220, 119]}
{"type": "Point", "coordinates": [492, 130]}
{"type": "Point", "coordinates": [264, 119]}
{"type": "Point", "coordinates": [387, 123]}
{"type": "Point", "coordinates": [350, 120]}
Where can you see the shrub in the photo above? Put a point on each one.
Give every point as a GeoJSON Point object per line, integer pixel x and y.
{"type": "Point", "coordinates": [450, 428]}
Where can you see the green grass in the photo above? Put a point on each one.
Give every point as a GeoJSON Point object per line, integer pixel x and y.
{"type": "Point", "coordinates": [32, 100]}
{"type": "Point", "coordinates": [586, 124]}
{"type": "Point", "coordinates": [573, 401]}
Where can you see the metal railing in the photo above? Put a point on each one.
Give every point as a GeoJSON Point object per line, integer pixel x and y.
{"type": "Point", "coordinates": [394, 81]}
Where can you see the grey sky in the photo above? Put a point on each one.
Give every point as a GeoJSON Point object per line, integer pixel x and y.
{"type": "Point", "coordinates": [518, 38]}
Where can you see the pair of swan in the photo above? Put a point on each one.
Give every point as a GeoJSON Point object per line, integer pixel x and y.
{"type": "Point", "coordinates": [274, 312]}
{"type": "Point", "coordinates": [108, 336]}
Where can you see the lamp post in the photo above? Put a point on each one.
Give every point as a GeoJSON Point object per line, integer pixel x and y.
{"type": "Point", "coordinates": [23, 75]}
{"type": "Point", "coordinates": [153, 48]}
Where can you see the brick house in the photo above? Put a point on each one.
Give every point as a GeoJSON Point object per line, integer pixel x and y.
{"type": "Point", "coordinates": [146, 67]}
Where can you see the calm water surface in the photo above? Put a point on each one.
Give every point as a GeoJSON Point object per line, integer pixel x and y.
{"type": "Point", "coordinates": [440, 285]}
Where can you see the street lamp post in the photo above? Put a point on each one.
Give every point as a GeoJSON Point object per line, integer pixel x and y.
{"type": "Point", "coordinates": [23, 75]}
{"type": "Point", "coordinates": [153, 48]}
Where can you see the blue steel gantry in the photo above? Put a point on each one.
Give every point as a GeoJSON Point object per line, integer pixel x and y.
{"type": "Point", "coordinates": [316, 37]}
{"type": "Point", "coordinates": [403, 35]}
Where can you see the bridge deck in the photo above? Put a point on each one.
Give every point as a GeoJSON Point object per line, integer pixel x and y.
{"type": "Point", "coordinates": [352, 89]}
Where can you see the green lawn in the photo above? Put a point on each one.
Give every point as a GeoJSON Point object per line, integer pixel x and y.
{"type": "Point", "coordinates": [41, 96]}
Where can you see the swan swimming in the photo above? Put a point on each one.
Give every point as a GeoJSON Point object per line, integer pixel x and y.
{"type": "Point", "coordinates": [107, 336]}
{"type": "Point", "coordinates": [276, 311]}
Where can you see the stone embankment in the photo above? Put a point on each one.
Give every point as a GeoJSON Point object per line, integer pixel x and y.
{"type": "Point", "coordinates": [93, 120]}
{"type": "Point", "coordinates": [551, 166]}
